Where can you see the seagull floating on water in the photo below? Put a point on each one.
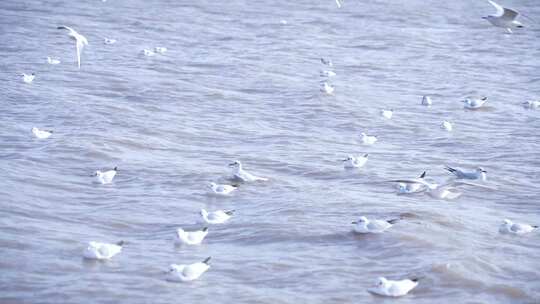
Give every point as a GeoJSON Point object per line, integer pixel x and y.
{"type": "Point", "coordinates": [51, 60]}
{"type": "Point", "coordinates": [80, 41]}
{"type": "Point", "coordinates": [531, 104]}
{"type": "Point", "coordinates": [412, 186]}
{"type": "Point", "coordinates": [216, 217]}
{"type": "Point", "coordinates": [190, 272]}
{"type": "Point", "coordinates": [426, 101]}
{"type": "Point", "coordinates": [105, 177]}
{"type": "Point", "coordinates": [368, 139]}
{"type": "Point", "coordinates": [363, 225]}
{"type": "Point", "coordinates": [222, 189]}
{"type": "Point", "coordinates": [387, 113]}
{"type": "Point", "coordinates": [160, 50]}
{"type": "Point", "coordinates": [240, 174]}
{"type": "Point", "coordinates": [391, 288]}
{"type": "Point", "coordinates": [327, 88]}
{"type": "Point", "coordinates": [478, 173]}
{"type": "Point", "coordinates": [190, 237]}
{"type": "Point", "coordinates": [28, 78]}
{"type": "Point", "coordinates": [352, 162]}
{"type": "Point", "coordinates": [446, 125]}
{"type": "Point", "coordinates": [505, 18]}
{"type": "Point", "coordinates": [102, 251]}
{"type": "Point", "coordinates": [514, 228]}
{"type": "Point", "coordinates": [474, 103]}
{"type": "Point", "coordinates": [41, 134]}
{"type": "Point", "coordinates": [109, 41]}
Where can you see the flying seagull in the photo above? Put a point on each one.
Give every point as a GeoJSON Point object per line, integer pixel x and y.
{"type": "Point", "coordinates": [505, 18]}
{"type": "Point", "coordinates": [80, 41]}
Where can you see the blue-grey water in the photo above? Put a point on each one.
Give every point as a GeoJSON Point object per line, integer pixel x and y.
{"type": "Point", "coordinates": [236, 83]}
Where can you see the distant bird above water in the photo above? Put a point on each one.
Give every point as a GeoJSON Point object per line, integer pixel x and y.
{"type": "Point", "coordinates": [80, 41]}
{"type": "Point", "coordinates": [505, 18]}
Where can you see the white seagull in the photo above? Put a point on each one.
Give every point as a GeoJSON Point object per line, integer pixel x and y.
{"type": "Point", "coordinates": [41, 134]}
{"type": "Point", "coordinates": [391, 288]}
{"type": "Point", "coordinates": [190, 237]}
{"type": "Point", "coordinates": [216, 217]}
{"type": "Point", "coordinates": [240, 174]}
{"type": "Point", "coordinates": [368, 139]}
{"type": "Point", "coordinates": [505, 18]}
{"type": "Point", "coordinates": [363, 225]}
{"type": "Point", "coordinates": [447, 191]}
{"type": "Point", "coordinates": [222, 189]}
{"type": "Point", "coordinates": [387, 113]}
{"type": "Point", "coordinates": [531, 104]}
{"type": "Point", "coordinates": [102, 251]}
{"type": "Point", "coordinates": [105, 177]}
{"type": "Point", "coordinates": [109, 41]}
{"type": "Point", "coordinates": [352, 162]}
{"type": "Point", "coordinates": [478, 173]}
{"type": "Point", "coordinates": [426, 101]}
{"type": "Point", "coordinates": [412, 186]}
{"type": "Point", "coordinates": [51, 60]}
{"type": "Point", "coordinates": [474, 103]}
{"type": "Point", "coordinates": [148, 53]}
{"type": "Point", "coordinates": [28, 78]}
{"type": "Point", "coordinates": [339, 3]}
{"type": "Point", "coordinates": [160, 50]}
{"type": "Point", "coordinates": [327, 88]}
{"type": "Point", "coordinates": [185, 273]}
{"type": "Point", "coordinates": [446, 125]}
{"type": "Point", "coordinates": [79, 39]}
{"type": "Point", "coordinates": [514, 228]}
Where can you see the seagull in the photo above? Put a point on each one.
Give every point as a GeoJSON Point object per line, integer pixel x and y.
{"type": "Point", "coordinates": [327, 88]}
{"type": "Point", "coordinates": [105, 177]}
{"type": "Point", "coordinates": [185, 273]}
{"type": "Point", "coordinates": [327, 62]}
{"type": "Point", "coordinates": [160, 50]}
{"type": "Point", "coordinates": [352, 162]}
{"type": "Point", "coordinates": [51, 60]}
{"type": "Point", "coordinates": [327, 73]}
{"type": "Point", "coordinates": [102, 251]}
{"type": "Point", "coordinates": [426, 101]}
{"type": "Point", "coordinates": [391, 288]}
{"type": "Point", "coordinates": [240, 174]}
{"type": "Point", "coordinates": [368, 139]}
{"type": "Point", "coordinates": [514, 228]}
{"type": "Point", "coordinates": [363, 225]}
{"type": "Point", "coordinates": [478, 173]}
{"type": "Point", "coordinates": [41, 134]}
{"type": "Point", "coordinates": [531, 104]}
{"type": "Point", "coordinates": [412, 186]}
{"type": "Point", "coordinates": [474, 103]}
{"type": "Point", "coordinates": [109, 41]}
{"type": "Point", "coordinates": [216, 217]}
{"type": "Point", "coordinates": [222, 189]}
{"type": "Point", "coordinates": [28, 78]}
{"type": "Point", "coordinates": [505, 18]}
{"type": "Point", "coordinates": [190, 237]}
{"type": "Point", "coordinates": [339, 3]}
{"type": "Point", "coordinates": [387, 113]}
{"type": "Point", "coordinates": [447, 191]}
{"type": "Point", "coordinates": [148, 53]}
{"type": "Point", "coordinates": [446, 125]}
{"type": "Point", "coordinates": [80, 41]}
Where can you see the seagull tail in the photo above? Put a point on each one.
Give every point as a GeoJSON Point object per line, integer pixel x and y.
{"type": "Point", "coordinates": [205, 229]}
{"type": "Point", "coordinates": [417, 278]}
{"type": "Point", "coordinates": [121, 243]}
{"type": "Point", "coordinates": [423, 174]}
{"type": "Point", "coordinates": [393, 221]}
{"type": "Point", "coordinates": [450, 169]}
{"type": "Point", "coordinates": [535, 226]}
{"type": "Point", "coordinates": [207, 260]}
{"type": "Point", "coordinates": [230, 212]}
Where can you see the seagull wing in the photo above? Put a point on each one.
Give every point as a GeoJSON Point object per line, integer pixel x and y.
{"type": "Point", "coordinates": [63, 27]}
{"type": "Point", "coordinates": [509, 14]}
{"type": "Point", "coordinates": [80, 46]}
{"type": "Point", "coordinates": [500, 9]}
{"type": "Point", "coordinates": [338, 2]}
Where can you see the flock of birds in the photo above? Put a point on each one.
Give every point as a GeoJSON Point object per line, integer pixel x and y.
{"type": "Point", "coordinates": [505, 18]}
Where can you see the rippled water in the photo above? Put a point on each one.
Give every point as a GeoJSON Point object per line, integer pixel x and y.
{"type": "Point", "coordinates": [237, 84]}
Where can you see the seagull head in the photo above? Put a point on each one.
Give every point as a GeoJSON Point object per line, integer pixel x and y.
{"type": "Point", "coordinates": [361, 219]}
{"type": "Point", "coordinates": [349, 158]}
{"type": "Point", "coordinates": [507, 222]}
{"type": "Point", "coordinates": [203, 212]}
{"type": "Point", "coordinates": [236, 164]}
{"type": "Point", "coordinates": [381, 281]}
{"type": "Point", "coordinates": [480, 170]}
